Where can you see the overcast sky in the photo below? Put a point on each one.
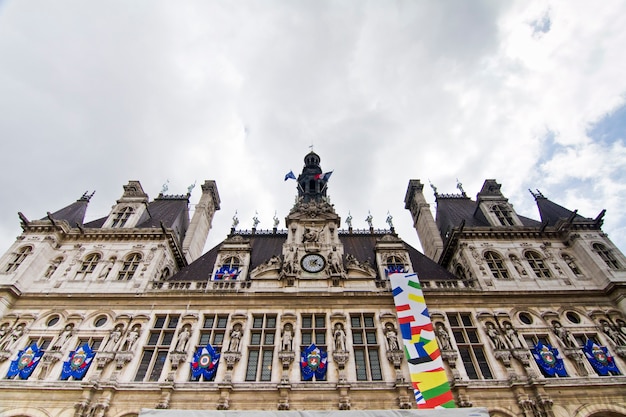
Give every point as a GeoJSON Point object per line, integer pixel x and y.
{"type": "Point", "coordinates": [96, 93]}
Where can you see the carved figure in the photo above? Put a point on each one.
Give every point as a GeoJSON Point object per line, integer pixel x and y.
{"type": "Point", "coordinates": [340, 337]}
{"type": "Point", "coordinates": [63, 338]}
{"type": "Point", "coordinates": [369, 219]}
{"type": "Point", "coordinates": [287, 338]}
{"type": "Point", "coordinates": [12, 338]}
{"type": "Point", "coordinates": [614, 335]}
{"type": "Point", "coordinates": [518, 265]}
{"type": "Point", "coordinates": [129, 341]}
{"type": "Point", "coordinates": [183, 339]}
{"type": "Point", "coordinates": [392, 338]}
{"type": "Point", "coordinates": [351, 260]}
{"type": "Point", "coordinates": [443, 337]}
{"type": "Point", "coordinates": [563, 334]}
{"type": "Point", "coordinates": [349, 220]}
{"type": "Point", "coordinates": [290, 266]}
{"type": "Point", "coordinates": [114, 338]}
{"type": "Point", "coordinates": [235, 339]}
{"type": "Point", "coordinates": [334, 266]}
{"type": "Point", "coordinates": [512, 337]}
{"type": "Point", "coordinates": [311, 235]}
{"type": "Point", "coordinates": [495, 337]}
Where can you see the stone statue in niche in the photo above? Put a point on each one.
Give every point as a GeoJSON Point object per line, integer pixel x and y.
{"type": "Point", "coordinates": [392, 337]}
{"type": "Point", "coordinates": [114, 339]}
{"type": "Point", "coordinates": [340, 337]}
{"type": "Point", "coordinates": [334, 263]}
{"type": "Point", "coordinates": [312, 235]}
{"type": "Point", "coordinates": [495, 336]}
{"type": "Point", "coordinates": [563, 334]}
{"type": "Point", "coordinates": [130, 339]}
{"type": "Point", "coordinates": [287, 337]}
{"type": "Point", "coordinates": [512, 337]}
{"type": "Point", "coordinates": [183, 340]}
{"type": "Point", "coordinates": [63, 338]}
{"type": "Point", "coordinates": [12, 338]}
{"type": "Point", "coordinates": [235, 338]}
{"type": "Point", "coordinates": [290, 264]}
{"type": "Point", "coordinates": [443, 337]}
{"type": "Point", "coordinates": [616, 336]}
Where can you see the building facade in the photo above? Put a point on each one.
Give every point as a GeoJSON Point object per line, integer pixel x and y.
{"type": "Point", "coordinates": [106, 317]}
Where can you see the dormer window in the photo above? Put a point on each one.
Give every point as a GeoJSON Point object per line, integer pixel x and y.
{"type": "Point", "coordinates": [229, 271]}
{"type": "Point", "coordinates": [18, 258]}
{"type": "Point", "coordinates": [131, 263]}
{"type": "Point", "coordinates": [537, 265]}
{"type": "Point", "coordinates": [503, 214]}
{"type": "Point", "coordinates": [394, 264]}
{"type": "Point", "coordinates": [606, 255]}
{"type": "Point", "coordinates": [122, 216]}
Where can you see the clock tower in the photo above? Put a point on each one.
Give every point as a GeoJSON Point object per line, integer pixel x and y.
{"type": "Point", "coordinates": [312, 253]}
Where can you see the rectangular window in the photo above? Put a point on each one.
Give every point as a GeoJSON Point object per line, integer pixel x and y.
{"type": "Point", "coordinates": [261, 348]}
{"type": "Point", "coordinates": [313, 330]}
{"type": "Point", "coordinates": [155, 353]}
{"type": "Point", "coordinates": [365, 345]}
{"type": "Point", "coordinates": [470, 348]}
{"type": "Point", "coordinates": [213, 330]}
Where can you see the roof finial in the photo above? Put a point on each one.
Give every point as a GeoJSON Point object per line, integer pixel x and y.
{"type": "Point", "coordinates": [349, 220]}
{"type": "Point", "coordinates": [389, 220]}
{"type": "Point", "coordinates": [235, 220]}
{"type": "Point", "coordinates": [460, 187]}
{"type": "Point", "coordinates": [369, 219]}
{"type": "Point", "coordinates": [434, 188]}
{"type": "Point", "coordinates": [537, 194]}
{"type": "Point", "coordinates": [276, 221]}
{"type": "Point", "coordinates": [165, 186]}
{"type": "Point", "coordinates": [255, 220]}
{"type": "Point", "coordinates": [191, 187]}
{"type": "Point", "coordinates": [86, 196]}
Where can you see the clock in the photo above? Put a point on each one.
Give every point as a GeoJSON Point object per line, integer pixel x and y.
{"type": "Point", "coordinates": [313, 262]}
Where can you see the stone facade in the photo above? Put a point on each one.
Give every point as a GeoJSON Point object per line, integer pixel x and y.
{"type": "Point", "coordinates": [135, 287]}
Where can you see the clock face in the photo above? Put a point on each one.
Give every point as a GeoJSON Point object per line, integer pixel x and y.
{"type": "Point", "coordinates": [313, 262]}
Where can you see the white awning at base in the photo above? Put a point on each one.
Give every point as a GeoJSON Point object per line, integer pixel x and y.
{"type": "Point", "coordinates": [439, 412]}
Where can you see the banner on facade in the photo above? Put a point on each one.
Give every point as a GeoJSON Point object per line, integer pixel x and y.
{"type": "Point", "coordinates": [78, 363]}
{"type": "Point", "coordinates": [428, 376]}
{"type": "Point", "coordinates": [313, 362]}
{"type": "Point", "coordinates": [600, 358]}
{"type": "Point", "coordinates": [26, 362]}
{"type": "Point", "coordinates": [204, 363]}
{"type": "Point", "coordinates": [549, 360]}
{"type": "Point", "coordinates": [453, 412]}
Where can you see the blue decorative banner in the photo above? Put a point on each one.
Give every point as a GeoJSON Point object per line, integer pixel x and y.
{"type": "Point", "coordinates": [205, 362]}
{"type": "Point", "coordinates": [78, 363]}
{"type": "Point", "coordinates": [225, 273]}
{"type": "Point", "coordinates": [600, 358]}
{"type": "Point", "coordinates": [549, 360]}
{"type": "Point", "coordinates": [395, 269]}
{"type": "Point", "coordinates": [26, 362]}
{"type": "Point", "coordinates": [313, 362]}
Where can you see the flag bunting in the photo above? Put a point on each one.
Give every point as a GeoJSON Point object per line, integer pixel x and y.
{"type": "Point", "coordinates": [600, 358]}
{"type": "Point", "coordinates": [313, 362]}
{"type": "Point", "coordinates": [549, 360]}
{"type": "Point", "coordinates": [78, 363]}
{"type": "Point", "coordinates": [205, 361]}
{"type": "Point", "coordinates": [26, 362]}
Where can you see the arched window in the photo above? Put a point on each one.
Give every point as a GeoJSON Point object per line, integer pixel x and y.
{"type": "Point", "coordinates": [89, 264]}
{"type": "Point", "coordinates": [18, 258]}
{"type": "Point", "coordinates": [570, 262]}
{"type": "Point", "coordinates": [229, 270]}
{"type": "Point", "coordinates": [537, 265]}
{"type": "Point", "coordinates": [53, 267]}
{"type": "Point", "coordinates": [503, 213]}
{"type": "Point", "coordinates": [606, 255]}
{"type": "Point", "coordinates": [496, 265]}
{"type": "Point", "coordinates": [131, 263]}
{"type": "Point", "coordinates": [122, 216]}
{"type": "Point", "coordinates": [394, 264]}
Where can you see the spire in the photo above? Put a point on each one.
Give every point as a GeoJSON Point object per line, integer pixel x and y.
{"type": "Point", "coordinates": [73, 214]}
{"type": "Point", "coordinates": [312, 182]}
{"type": "Point", "coordinates": [551, 212]}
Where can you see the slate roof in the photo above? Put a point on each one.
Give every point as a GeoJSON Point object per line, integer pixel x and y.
{"type": "Point", "coordinates": [264, 246]}
{"type": "Point", "coordinates": [551, 212]}
{"type": "Point", "coordinates": [73, 214]}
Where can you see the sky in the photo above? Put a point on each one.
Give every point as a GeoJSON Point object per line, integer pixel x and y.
{"type": "Point", "coordinates": [530, 93]}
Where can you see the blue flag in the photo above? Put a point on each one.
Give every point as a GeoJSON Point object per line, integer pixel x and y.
{"type": "Point", "coordinates": [600, 358]}
{"type": "Point", "coordinates": [226, 273]}
{"type": "Point", "coordinates": [205, 362]}
{"type": "Point", "coordinates": [549, 360]}
{"type": "Point", "coordinates": [313, 362]}
{"type": "Point", "coordinates": [26, 362]}
{"type": "Point", "coordinates": [78, 363]}
{"type": "Point", "coordinates": [291, 175]}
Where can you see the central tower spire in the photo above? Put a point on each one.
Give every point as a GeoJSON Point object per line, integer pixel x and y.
{"type": "Point", "coordinates": [312, 183]}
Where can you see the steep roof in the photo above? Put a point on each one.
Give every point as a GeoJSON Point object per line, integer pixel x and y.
{"type": "Point", "coordinates": [551, 212]}
{"type": "Point", "coordinates": [74, 214]}
{"type": "Point", "coordinates": [172, 211]}
{"type": "Point", "coordinates": [265, 245]}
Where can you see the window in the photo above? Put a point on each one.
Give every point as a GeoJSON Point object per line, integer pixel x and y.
{"type": "Point", "coordinates": [570, 262]}
{"type": "Point", "coordinates": [496, 265]}
{"type": "Point", "coordinates": [213, 330]}
{"type": "Point", "coordinates": [130, 266]}
{"type": "Point", "coordinates": [155, 351]}
{"type": "Point", "coordinates": [365, 345]}
{"type": "Point", "coordinates": [53, 267]}
{"type": "Point", "coordinates": [394, 264]}
{"type": "Point", "coordinates": [314, 330]}
{"type": "Point", "coordinates": [100, 321]}
{"type": "Point", "coordinates": [261, 349]}
{"type": "Point", "coordinates": [89, 264]}
{"type": "Point", "coordinates": [503, 214]}
{"type": "Point", "coordinates": [52, 321]}
{"type": "Point", "coordinates": [532, 340]}
{"type": "Point", "coordinates": [18, 258]}
{"type": "Point", "coordinates": [469, 345]}
{"type": "Point", "coordinates": [122, 216]}
{"type": "Point", "coordinates": [606, 255]}
{"type": "Point", "coordinates": [537, 265]}
{"type": "Point", "coordinates": [42, 342]}
{"type": "Point", "coordinates": [229, 269]}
